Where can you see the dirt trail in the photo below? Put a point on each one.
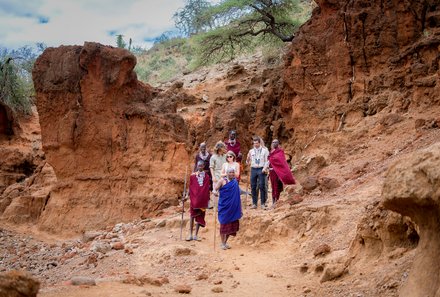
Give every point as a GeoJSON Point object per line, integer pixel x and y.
{"type": "Point", "coordinates": [263, 260]}
{"type": "Point", "coordinates": [243, 270]}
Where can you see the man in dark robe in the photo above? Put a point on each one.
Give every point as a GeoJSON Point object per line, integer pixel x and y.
{"type": "Point", "coordinates": [232, 144]}
{"type": "Point", "coordinates": [199, 184]}
{"type": "Point", "coordinates": [205, 156]}
{"type": "Point", "coordinates": [229, 207]}
{"type": "Point", "coordinates": [279, 171]}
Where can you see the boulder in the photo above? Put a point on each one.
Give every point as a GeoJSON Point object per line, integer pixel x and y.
{"type": "Point", "coordinates": [183, 289]}
{"type": "Point", "coordinates": [83, 281]}
{"type": "Point", "coordinates": [412, 188]}
{"type": "Point", "coordinates": [18, 284]}
{"type": "Point", "coordinates": [310, 183]}
{"type": "Point", "coordinates": [217, 289]}
{"type": "Point", "coordinates": [328, 183]}
{"type": "Point", "coordinates": [322, 250]}
{"type": "Point", "coordinates": [333, 272]}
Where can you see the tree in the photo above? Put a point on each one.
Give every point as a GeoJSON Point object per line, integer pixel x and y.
{"type": "Point", "coordinates": [120, 42]}
{"type": "Point", "coordinates": [16, 87]}
{"type": "Point", "coordinates": [243, 20]}
{"type": "Point", "coordinates": [130, 41]}
{"type": "Point", "coordinates": [192, 18]}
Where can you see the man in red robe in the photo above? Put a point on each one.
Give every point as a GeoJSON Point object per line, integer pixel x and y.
{"type": "Point", "coordinates": [279, 171]}
{"type": "Point", "coordinates": [232, 144]}
{"type": "Point", "coordinates": [199, 184]}
{"type": "Point", "coordinates": [205, 156]}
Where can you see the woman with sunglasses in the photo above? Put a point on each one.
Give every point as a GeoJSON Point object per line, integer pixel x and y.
{"type": "Point", "coordinates": [231, 163]}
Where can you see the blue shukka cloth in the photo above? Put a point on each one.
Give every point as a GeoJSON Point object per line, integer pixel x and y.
{"type": "Point", "coordinates": [229, 204]}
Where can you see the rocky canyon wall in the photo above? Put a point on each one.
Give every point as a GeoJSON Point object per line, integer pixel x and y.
{"type": "Point", "coordinates": [115, 156]}
{"type": "Point", "coordinates": [118, 147]}
{"type": "Point", "coordinates": [354, 60]}
{"type": "Point", "coordinates": [21, 156]}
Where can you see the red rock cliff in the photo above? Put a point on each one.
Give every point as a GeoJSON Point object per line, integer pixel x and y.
{"type": "Point", "coordinates": [357, 59]}
{"type": "Point", "coordinates": [117, 146]}
{"type": "Point", "coordinates": [115, 157]}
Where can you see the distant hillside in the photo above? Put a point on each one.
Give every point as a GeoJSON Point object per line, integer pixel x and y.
{"type": "Point", "coordinates": [172, 57]}
{"type": "Point", "coordinates": [165, 60]}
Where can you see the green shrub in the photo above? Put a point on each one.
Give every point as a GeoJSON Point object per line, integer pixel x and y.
{"type": "Point", "coordinates": [15, 86]}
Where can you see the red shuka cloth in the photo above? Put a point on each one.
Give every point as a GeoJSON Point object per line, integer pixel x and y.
{"type": "Point", "coordinates": [236, 149]}
{"type": "Point", "coordinates": [279, 164]}
{"type": "Point", "coordinates": [199, 215]}
{"type": "Point", "coordinates": [277, 185]}
{"type": "Point", "coordinates": [199, 194]}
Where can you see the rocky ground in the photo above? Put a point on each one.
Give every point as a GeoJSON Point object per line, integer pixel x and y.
{"type": "Point", "coordinates": [309, 248]}
{"type": "Point", "coordinates": [148, 258]}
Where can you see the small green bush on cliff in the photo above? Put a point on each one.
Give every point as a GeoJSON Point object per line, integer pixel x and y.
{"type": "Point", "coordinates": [165, 60]}
{"type": "Point", "coordinates": [16, 86]}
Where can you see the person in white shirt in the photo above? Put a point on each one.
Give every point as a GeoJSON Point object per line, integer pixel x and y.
{"type": "Point", "coordinates": [231, 163]}
{"type": "Point", "coordinates": [257, 159]}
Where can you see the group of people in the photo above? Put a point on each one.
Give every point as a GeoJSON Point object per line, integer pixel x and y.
{"type": "Point", "coordinates": [220, 173]}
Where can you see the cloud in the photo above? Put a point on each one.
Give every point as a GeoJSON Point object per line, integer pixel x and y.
{"type": "Point", "coordinates": [64, 22]}
{"type": "Point", "coordinates": [19, 8]}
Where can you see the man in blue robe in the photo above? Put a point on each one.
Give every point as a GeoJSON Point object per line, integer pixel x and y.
{"type": "Point", "coordinates": [229, 207]}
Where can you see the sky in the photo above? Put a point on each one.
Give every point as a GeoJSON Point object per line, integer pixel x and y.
{"type": "Point", "coordinates": [72, 22]}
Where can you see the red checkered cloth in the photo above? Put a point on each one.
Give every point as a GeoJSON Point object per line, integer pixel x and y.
{"type": "Point", "coordinates": [230, 228]}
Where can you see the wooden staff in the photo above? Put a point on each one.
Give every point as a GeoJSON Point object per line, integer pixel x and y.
{"type": "Point", "coordinates": [247, 193]}
{"type": "Point", "coordinates": [215, 217]}
{"type": "Point", "coordinates": [183, 203]}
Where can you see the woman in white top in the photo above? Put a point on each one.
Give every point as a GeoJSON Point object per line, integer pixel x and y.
{"type": "Point", "coordinates": [231, 163]}
{"type": "Point", "coordinates": [217, 160]}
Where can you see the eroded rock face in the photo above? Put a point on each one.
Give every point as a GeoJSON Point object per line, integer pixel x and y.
{"type": "Point", "coordinates": [25, 201]}
{"type": "Point", "coordinates": [114, 155]}
{"type": "Point", "coordinates": [355, 59]}
{"type": "Point", "coordinates": [412, 188]}
{"type": "Point", "coordinates": [20, 157]}
{"type": "Point", "coordinates": [5, 121]}
{"type": "Point", "coordinates": [117, 146]}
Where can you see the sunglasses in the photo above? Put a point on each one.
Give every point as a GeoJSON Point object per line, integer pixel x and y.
{"type": "Point", "coordinates": [229, 156]}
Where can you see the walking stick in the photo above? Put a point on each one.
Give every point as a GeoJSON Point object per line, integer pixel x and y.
{"type": "Point", "coordinates": [247, 193]}
{"type": "Point", "coordinates": [215, 219]}
{"type": "Point", "coordinates": [183, 203]}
